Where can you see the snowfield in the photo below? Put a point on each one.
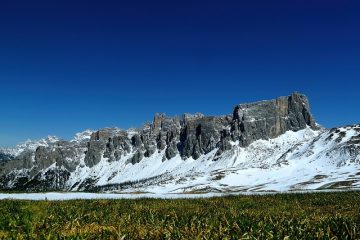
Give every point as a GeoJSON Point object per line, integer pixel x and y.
{"type": "Point", "coordinates": [303, 160]}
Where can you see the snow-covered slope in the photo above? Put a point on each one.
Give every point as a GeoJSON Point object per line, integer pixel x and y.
{"type": "Point", "coordinates": [301, 160]}
{"type": "Point", "coordinates": [304, 160]}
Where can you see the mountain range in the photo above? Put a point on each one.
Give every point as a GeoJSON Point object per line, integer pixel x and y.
{"type": "Point", "coordinates": [272, 145]}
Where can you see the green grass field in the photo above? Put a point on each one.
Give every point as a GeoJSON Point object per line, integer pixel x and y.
{"type": "Point", "coordinates": [281, 216]}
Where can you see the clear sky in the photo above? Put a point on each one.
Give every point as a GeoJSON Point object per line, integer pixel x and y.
{"type": "Point", "coordinates": [66, 66]}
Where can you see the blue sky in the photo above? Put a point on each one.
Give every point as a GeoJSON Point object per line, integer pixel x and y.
{"type": "Point", "coordinates": [66, 66]}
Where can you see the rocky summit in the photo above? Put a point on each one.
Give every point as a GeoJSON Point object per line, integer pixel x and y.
{"type": "Point", "coordinates": [272, 145]}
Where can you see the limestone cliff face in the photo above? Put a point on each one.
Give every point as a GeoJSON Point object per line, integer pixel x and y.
{"type": "Point", "coordinates": [269, 119]}
{"type": "Point", "coordinates": [188, 136]}
{"type": "Point", "coordinates": [194, 135]}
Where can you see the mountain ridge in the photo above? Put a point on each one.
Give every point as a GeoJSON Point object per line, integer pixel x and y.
{"type": "Point", "coordinates": [157, 156]}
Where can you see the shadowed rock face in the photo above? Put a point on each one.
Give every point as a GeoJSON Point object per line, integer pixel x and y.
{"type": "Point", "coordinates": [188, 136]}
{"type": "Point", "coordinates": [201, 135]}
{"type": "Point", "coordinates": [270, 119]}
{"type": "Point", "coordinates": [5, 157]}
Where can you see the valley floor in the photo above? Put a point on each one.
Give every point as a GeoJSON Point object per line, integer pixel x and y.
{"type": "Point", "coordinates": [64, 196]}
{"type": "Point", "coordinates": [322, 215]}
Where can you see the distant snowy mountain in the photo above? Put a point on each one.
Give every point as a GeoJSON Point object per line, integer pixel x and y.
{"type": "Point", "coordinates": [83, 136]}
{"type": "Point", "coordinates": [272, 145]}
{"type": "Point", "coordinates": [29, 145]}
{"type": "Point", "coordinates": [32, 145]}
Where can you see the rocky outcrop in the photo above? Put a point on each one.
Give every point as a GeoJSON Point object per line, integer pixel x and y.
{"type": "Point", "coordinates": [270, 119]}
{"type": "Point", "coordinates": [194, 135]}
{"type": "Point", "coordinates": [189, 136]}
{"type": "Point", "coordinates": [201, 135]}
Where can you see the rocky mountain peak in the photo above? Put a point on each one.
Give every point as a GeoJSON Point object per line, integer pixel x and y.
{"type": "Point", "coordinates": [188, 137]}
{"type": "Point", "coordinates": [271, 118]}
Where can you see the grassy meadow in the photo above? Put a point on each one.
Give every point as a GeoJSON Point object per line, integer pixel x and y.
{"type": "Point", "coordinates": [331, 215]}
